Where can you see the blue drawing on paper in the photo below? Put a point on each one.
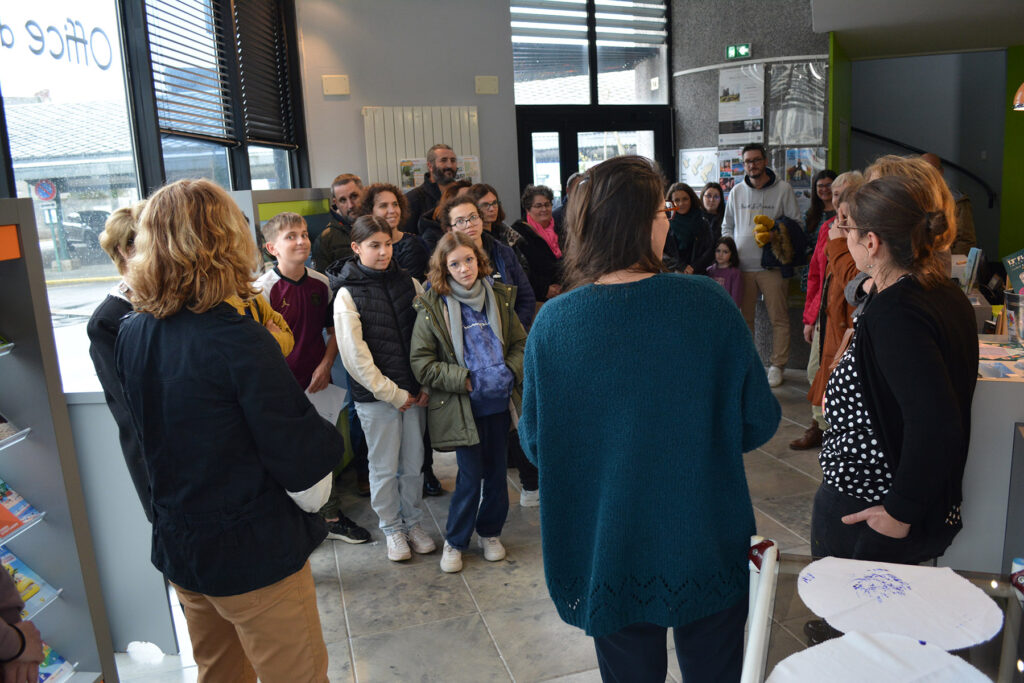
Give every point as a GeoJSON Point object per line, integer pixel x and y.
{"type": "Point", "coordinates": [880, 585]}
{"type": "Point", "coordinates": [807, 578]}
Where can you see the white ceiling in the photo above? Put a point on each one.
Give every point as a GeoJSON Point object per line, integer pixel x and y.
{"type": "Point", "coordinates": [888, 28]}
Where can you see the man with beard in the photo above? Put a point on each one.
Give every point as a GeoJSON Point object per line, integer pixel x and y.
{"type": "Point", "coordinates": [443, 165]}
{"type": "Point", "coordinates": [334, 242]}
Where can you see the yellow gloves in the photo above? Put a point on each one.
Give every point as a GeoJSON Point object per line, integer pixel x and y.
{"type": "Point", "coordinates": [763, 229]}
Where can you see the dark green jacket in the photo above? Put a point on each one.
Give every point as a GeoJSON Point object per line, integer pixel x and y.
{"type": "Point", "coordinates": [449, 414]}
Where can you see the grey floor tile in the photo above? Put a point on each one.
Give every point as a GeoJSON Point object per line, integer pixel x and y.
{"type": "Point", "coordinates": [537, 644]}
{"type": "Point", "coordinates": [518, 578]}
{"type": "Point", "coordinates": [770, 528]}
{"type": "Point", "coordinates": [792, 512]}
{"type": "Point", "coordinates": [415, 594]}
{"type": "Point", "coordinates": [456, 650]}
{"type": "Point", "coordinates": [778, 445]}
{"type": "Point", "coordinates": [804, 461]}
{"type": "Point", "coordinates": [768, 478]}
{"type": "Point", "coordinates": [592, 676]}
{"type": "Point", "coordinates": [129, 669]}
{"type": "Point", "coordinates": [332, 610]}
{"type": "Point", "coordinates": [339, 662]}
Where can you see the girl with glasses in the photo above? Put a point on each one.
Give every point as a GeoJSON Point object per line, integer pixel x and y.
{"type": "Point", "coordinates": [467, 348]}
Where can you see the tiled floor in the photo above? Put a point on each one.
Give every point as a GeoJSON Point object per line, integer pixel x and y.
{"type": "Point", "coordinates": [494, 622]}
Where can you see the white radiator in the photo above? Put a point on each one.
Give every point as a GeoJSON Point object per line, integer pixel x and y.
{"type": "Point", "coordinates": [394, 133]}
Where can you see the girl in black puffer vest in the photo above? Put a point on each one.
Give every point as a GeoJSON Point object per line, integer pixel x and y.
{"type": "Point", "coordinates": [373, 318]}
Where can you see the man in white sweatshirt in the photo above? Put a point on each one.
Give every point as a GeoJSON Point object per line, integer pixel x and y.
{"type": "Point", "coordinates": [761, 192]}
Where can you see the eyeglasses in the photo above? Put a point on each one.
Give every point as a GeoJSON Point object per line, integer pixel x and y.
{"type": "Point", "coordinates": [753, 162]}
{"type": "Point", "coordinates": [846, 228]}
{"type": "Point", "coordinates": [487, 206]}
{"type": "Point", "coordinates": [669, 210]}
{"type": "Point", "coordinates": [545, 205]}
{"type": "Point", "coordinates": [465, 222]}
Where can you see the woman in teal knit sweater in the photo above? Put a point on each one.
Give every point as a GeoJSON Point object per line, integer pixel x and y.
{"type": "Point", "coordinates": [647, 517]}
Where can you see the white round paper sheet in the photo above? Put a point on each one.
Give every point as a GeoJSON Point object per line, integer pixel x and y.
{"type": "Point", "coordinates": [930, 604]}
{"type": "Point", "coordinates": [878, 658]}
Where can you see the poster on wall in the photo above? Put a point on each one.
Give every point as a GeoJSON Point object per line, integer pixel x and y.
{"type": "Point", "coordinates": [796, 101]}
{"type": "Point", "coordinates": [741, 105]}
{"type": "Point", "coordinates": [730, 169]}
{"type": "Point", "coordinates": [413, 171]}
{"type": "Point", "coordinates": [798, 167]}
{"type": "Point", "coordinates": [697, 166]}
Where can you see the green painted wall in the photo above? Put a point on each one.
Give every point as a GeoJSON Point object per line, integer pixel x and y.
{"type": "Point", "coordinates": [840, 104]}
{"type": "Point", "coordinates": [1011, 217]}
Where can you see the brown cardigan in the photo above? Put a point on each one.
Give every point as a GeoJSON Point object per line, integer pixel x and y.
{"type": "Point", "coordinates": [835, 315]}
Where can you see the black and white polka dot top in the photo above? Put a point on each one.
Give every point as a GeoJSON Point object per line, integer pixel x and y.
{"type": "Point", "coordinates": [851, 458]}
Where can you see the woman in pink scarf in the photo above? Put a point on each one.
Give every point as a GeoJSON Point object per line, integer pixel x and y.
{"type": "Point", "coordinates": [542, 241]}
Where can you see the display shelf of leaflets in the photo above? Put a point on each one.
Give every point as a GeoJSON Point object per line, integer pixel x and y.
{"type": "Point", "coordinates": [46, 543]}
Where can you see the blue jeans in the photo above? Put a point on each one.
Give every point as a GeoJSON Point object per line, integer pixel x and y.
{"type": "Point", "coordinates": [709, 650]}
{"type": "Point", "coordinates": [483, 462]}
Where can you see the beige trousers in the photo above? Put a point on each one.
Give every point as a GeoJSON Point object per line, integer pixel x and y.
{"type": "Point", "coordinates": [774, 287]}
{"type": "Point", "coordinates": [272, 632]}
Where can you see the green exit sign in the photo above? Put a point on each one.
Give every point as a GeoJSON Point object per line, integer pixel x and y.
{"type": "Point", "coordinates": [740, 51]}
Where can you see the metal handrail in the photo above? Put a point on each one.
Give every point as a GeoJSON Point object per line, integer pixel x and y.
{"type": "Point", "coordinates": [945, 162]}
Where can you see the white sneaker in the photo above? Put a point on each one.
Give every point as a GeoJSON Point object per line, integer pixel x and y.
{"type": "Point", "coordinates": [421, 541]}
{"type": "Point", "coordinates": [529, 499]}
{"type": "Point", "coordinates": [493, 549]}
{"type": "Point", "coordinates": [451, 559]}
{"type": "Point", "coordinates": [774, 376]}
{"type": "Point", "coordinates": [398, 547]}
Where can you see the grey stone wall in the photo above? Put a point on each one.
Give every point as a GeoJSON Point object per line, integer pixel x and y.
{"type": "Point", "coordinates": [701, 30]}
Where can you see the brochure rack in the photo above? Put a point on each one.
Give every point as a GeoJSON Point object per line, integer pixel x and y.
{"type": "Point", "coordinates": [42, 466]}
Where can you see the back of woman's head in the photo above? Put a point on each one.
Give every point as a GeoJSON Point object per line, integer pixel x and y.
{"type": "Point", "coordinates": [927, 186]}
{"type": "Point", "coordinates": [193, 249]}
{"type": "Point", "coordinates": [118, 236]}
{"type": "Point", "coordinates": [844, 184]}
{"type": "Point", "coordinates": [369, 225]}
{"type": "Point", "coordinates": [892, 208]}
{"type": "Point", "coordinates": [609, 220]}
{"type": "Point", "coordinates": [437, 272]}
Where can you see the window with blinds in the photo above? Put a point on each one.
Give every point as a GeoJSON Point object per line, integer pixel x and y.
{"type": "Point", "coordinates": [187, 51]}
{"type": "Point", "coordinates": [263, 73]}
{"type": "Point", "coordinates": [552, 51]}
{"type": "Point", "coordinates": [221, 76]}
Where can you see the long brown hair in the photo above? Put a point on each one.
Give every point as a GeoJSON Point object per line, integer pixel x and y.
{"type": "Point", "coordinates": [438, 272]}
{"type": "Point", "coordinates": [609, 220]}
{"type": "Point", "coordinates": [892, 208]}
{"type": "Point", "coordinates": [193, 249]}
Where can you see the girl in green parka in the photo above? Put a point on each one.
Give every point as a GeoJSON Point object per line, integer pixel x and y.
{"type": "Point", "coordinates": [467, 350]}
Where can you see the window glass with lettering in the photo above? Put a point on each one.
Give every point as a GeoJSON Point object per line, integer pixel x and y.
{"type": "Point", "coordinates": [71, 145]}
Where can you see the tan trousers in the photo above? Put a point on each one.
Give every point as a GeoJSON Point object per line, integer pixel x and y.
{"type": "Point", "coordinates": [272, 632]}
{"type": "Point", "coordinates": [771, 284]}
